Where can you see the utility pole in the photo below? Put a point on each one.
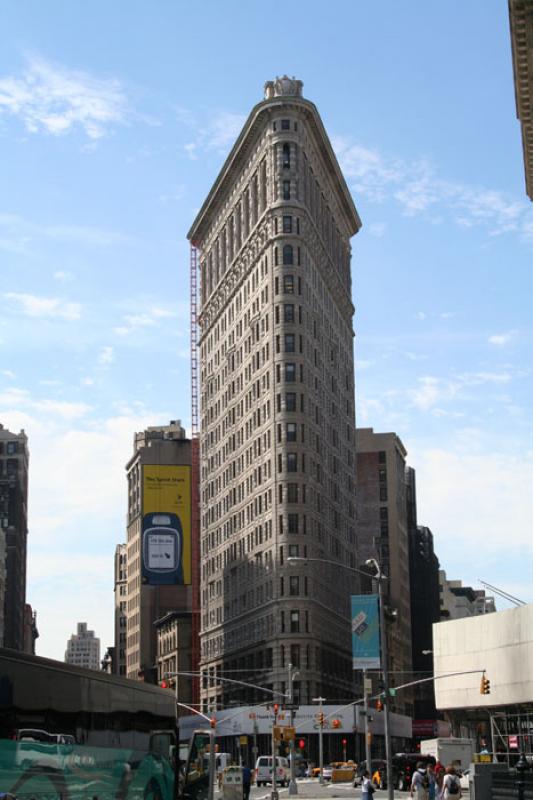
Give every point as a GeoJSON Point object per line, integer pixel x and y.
{"type": "Point", "coordinates": [385, 671]}
{"type": "Point", "coordinates": [293, 787]}
{"type": "Point", "coordinates": [367, 684]}
{"type": "Point", "coordinates": [320, 701]}
{"type": "Point", "coordinates": [274, 794]}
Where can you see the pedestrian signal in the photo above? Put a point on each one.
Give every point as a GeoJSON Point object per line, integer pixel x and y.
{"type": "Point", "coordinates": [335, 723]}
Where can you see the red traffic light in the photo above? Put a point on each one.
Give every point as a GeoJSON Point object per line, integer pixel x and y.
{"type": "Point", "coordinates": [276, 709]}
{"type": "Point", "coordinates": [213, 722]}
{"type": "Point", "coordinates": [301, 744]}
{"type": "Point", "coordinates": [344, 742]}
{"type": "Point", "coordinates": [335, 723]}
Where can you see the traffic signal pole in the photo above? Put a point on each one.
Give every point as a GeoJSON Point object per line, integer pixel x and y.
{"type": "Point", "coordinates": [293, 787]}
{"type": "Point", "coordinates": [320, 701]}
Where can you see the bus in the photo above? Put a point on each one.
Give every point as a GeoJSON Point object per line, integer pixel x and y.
{"type": "Point", "coordinates": [73, 733]}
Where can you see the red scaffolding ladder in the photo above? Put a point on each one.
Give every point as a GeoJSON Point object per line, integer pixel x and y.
{"type": "Point", "coordinates": [195, 478]}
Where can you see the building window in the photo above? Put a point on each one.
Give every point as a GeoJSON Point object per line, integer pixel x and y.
{"type": "Point", "coordinates": [292, 523]}
{"type": "Point", "coordinates": [292, 492]}
{"type": "Point", "coordinates": [288, 255]}
{"type": "Point", "coordinates": [286, 190]}
{"type": "Point", "coordinates": [294, 550]}
{"type": "Point", "coordinates": [383, 476]}
{"type": "Point", "coordinates": [290, 431]}
{"type": "Point", "coordinates": [294, 585]}
{"type": "Point", "coordinates": [288, 284]}
{"type": "Point", "coordinates": [286, 156]}
{"type": "Point", "coordinates": [285, 124]}
{"type": "Point", "coordinates": [383, 494]}
{"type": "Point", "coordinates": [295, 623]}
{"type": "Point", "coordinates": [287, 224]}
{"type": "Point", "coordinates": [290, 373]}
{"type": "Point", "coordinates": [382, 457]}
{"type": "Point", "coordinates": [292, 462]}
{"type": "Point", "coordinates": [288, 313]}
{"type": "Point", "coordinates": [290, 343]}
{"type": "Point", "coordinates": [290, 401]}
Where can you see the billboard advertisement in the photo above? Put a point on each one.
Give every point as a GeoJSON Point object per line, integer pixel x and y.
{"type": "Point", "coordinates": [365, 631]}
{"type": "Point", "coordinates": [166, 538]}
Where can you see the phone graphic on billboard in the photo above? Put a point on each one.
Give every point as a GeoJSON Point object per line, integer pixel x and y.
{"type": "Point", "coordinates": [162, 551]}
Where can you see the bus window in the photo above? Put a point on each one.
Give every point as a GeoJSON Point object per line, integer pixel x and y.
{"type": "Point", "coordinates": [196, 777]}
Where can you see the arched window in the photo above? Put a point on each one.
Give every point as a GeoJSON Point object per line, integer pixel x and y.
{"type": "Point", "coordinates": [286, 156]}
{"type": "Point", "coordinates": [288, 256]}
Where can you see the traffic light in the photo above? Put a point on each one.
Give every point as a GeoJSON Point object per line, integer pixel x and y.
{"type": "Point", "coordinates": [379, 704]}
{"type": "Point", "coordinates": [335, 723]}
{"type": "Point", "coordinates": [484, 687]}
{"type": "Point", "coordinates": [321, 718]}
{"type": "Point", "coordinates": [344, 742]}
{"type": "Point", "coordinates": [276, 709]}
{"type": "Point", "coordinates": [212, 722]}
{"type": "Point", "coordinates": [301, 744]}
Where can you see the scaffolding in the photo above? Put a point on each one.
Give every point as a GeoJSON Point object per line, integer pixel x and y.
{"type": "Point", "coordinates": [195, 477]}
{"type": "Point", "coordinates": [512, 734]}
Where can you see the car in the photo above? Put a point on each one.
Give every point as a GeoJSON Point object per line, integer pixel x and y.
{"type": "Point", "coordinates": [263, 771]}
{"type": "Point", "coordinates": [464, 779]}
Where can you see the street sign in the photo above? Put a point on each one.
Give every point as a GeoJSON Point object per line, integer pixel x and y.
{"type": "Point", "coordinates": [243, 741]}
{"type": "Point", "coordinates": [284, 733]}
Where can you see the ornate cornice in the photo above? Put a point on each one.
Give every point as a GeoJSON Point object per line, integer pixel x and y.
{"type": "Point", "coordinates": [521, 22]}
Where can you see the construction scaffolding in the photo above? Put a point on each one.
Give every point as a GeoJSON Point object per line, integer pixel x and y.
{"type": "Point", "coordinates": [512, 734]}
{"type": "Point", "coordinates": [195, 476]}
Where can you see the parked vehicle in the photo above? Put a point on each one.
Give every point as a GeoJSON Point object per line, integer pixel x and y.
{"type": "Point", "coordinates": [465, 779]}
{"type": "Point", "coordinates": [263, 771]}
{"type": "Point", "coordinates": [450, 750]}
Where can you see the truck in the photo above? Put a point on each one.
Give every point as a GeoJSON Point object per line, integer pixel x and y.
{"type": "Point", "coordinates": [449, 750]}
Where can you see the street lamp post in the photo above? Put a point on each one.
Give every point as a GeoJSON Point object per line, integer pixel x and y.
{"type": "Point", "coordinates": [293, 786]}
{"type": "Point", "coordinates": [379, 578]}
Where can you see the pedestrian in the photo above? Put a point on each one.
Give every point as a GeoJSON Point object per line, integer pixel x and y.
{"type": "Point", "coordinates": [420, 782]}
{"type": "Point", "coordinates": [451, 786]}
{"type": "Point", "coordinates": [432, 782]}
{"type": "Point", "coordinates": [367, 788]}
{"type": "Point", "coordinates": [246, 781]}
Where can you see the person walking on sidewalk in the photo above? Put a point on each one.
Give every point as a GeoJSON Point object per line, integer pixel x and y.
{"type": "Point", "coordinates": [420, 782]}
{"type": "Point", "coordinates": [246, 781]}
{"type": "Point", "coordinates": [367, 787]}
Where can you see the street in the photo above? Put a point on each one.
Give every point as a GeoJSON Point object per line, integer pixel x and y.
{"type": "Point", "coordinates": [309, 789]}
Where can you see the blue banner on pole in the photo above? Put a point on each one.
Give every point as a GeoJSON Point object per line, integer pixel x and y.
{"type": "Point", "coordinates": [365, 632]}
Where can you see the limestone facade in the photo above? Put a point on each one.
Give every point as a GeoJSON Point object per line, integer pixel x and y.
{"type": "Point", "coordinates": [277, 409]}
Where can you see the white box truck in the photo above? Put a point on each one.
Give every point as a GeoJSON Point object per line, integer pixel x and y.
{"type": "Point", "coordinates": [449, 750]}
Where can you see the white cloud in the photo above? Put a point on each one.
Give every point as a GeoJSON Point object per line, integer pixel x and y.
{"type": "Point", "coordinates": [377, 229]}
{"type": "Point", "coordinates": [34, 306]}
{"type": "Point", "coordinates": [216, 133]}
{"type": "Point", "coordinates": [432, 392]}
{"type": "Point", "coordinates": [52, 410]}
{"type": "Point", "coordinates": [106, 356]}
{"type": "Point", "coordinates": [52, 98]}
{"type": "Point", "coordinates": [476, 499]}
{"type": "Point", "coordinates": [419, 189]}
{"type": "Point", "coordinates": [146, 319]}
{"type": "Point", "coordinates": [501, 339]}
{"type": "Point", "coordinates": [7, 373]}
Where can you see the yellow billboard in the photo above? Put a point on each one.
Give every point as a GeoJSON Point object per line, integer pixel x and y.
{"type": "Point", "coordinates": [166, 524]}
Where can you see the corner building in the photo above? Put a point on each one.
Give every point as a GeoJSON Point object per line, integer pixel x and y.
{"type": "Point", "coordinates": [277, 409]}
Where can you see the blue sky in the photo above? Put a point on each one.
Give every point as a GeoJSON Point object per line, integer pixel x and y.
{"type": "Point", "coordinates": [114, 121]}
